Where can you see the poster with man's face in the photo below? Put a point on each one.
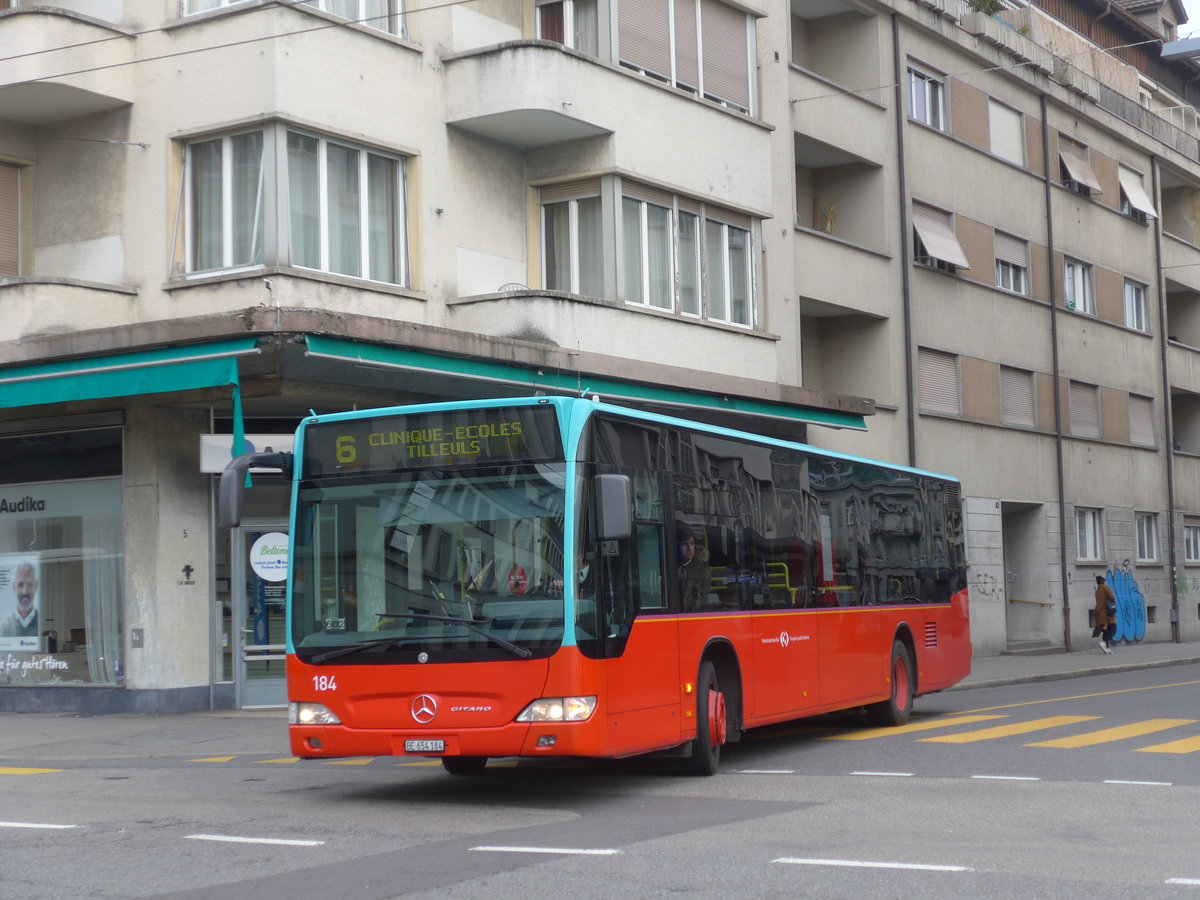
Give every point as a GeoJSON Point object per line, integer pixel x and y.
{"type": "Point", "coordinates": [20, 580]}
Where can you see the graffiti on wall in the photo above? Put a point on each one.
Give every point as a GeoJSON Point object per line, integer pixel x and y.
{"type": "Point", "coordinates": [1131, 605]}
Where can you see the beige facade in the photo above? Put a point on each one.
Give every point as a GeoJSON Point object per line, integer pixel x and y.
{"type": "Point", "coordinates": [510, 196]}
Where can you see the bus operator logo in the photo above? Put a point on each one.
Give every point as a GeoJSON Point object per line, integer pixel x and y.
{"type": "Point", "coordinates": [424, 709]}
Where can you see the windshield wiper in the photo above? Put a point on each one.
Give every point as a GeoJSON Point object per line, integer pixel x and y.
{"type": "Point", "coordinates": [515, 649]}
{"type": "Point", "coordinates": [346, 651]}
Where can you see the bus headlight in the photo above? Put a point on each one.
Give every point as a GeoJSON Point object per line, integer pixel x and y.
{"type": "Point", "coordinates": [559, 709]}
{"type": "Point", "coordinates": [311, 714]}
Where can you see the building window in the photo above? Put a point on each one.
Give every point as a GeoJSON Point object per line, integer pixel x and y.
{"type": "Point", "coordinates": [1141, 420]}
{"type": "Point", "coordinates": [572, 240]}
{"type": "Point", "coordinates": [345, 205]}
{"type": "Point", "coordinates": [572, 23]}
{"type": "Point", "coordinates": [1085, 410]}
{"type": "Point", "coordinates": [934, 242]}
{"type": "Point", "coordinates": [1135, 306]}
{"type": "Point", "coordinates": [676, 254]}
{"type": "Point", "coordinates": [1078, 286]}
{"type": "Point", "coordinates": [10, 220]}
{"type": "Point", "coordinates": [1147, 536]}
{"type": "Point", "coordinates": [647, 238]}
{"type": "Point", "coordinates": [1012, 263]}
{"type": "Point", "coordinates": [1135, 202]}
{"type": "Point", "coordinates": [937, 381]}
{"type": "Point", "coordinates": [701, 46]}
{"type": "Point", "coordinates": [1191, 543]}
{"type": "Point", "coordinates": [1087, 534]}
{"type": "Point", "coordinates": [1075, 170]}
{"type": "Point", "coordinates": [1017, 405]}
{"type": "Point", "coordinates": [927, 97]}
{"type": "Point", "coordinates": [66, 549]}
{"type": "Point", "coordinates": [1006, 132]}
{"type": "Point", "coordinates": [191, 7]}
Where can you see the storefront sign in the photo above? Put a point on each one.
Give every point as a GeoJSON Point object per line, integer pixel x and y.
{"type": "Point", "coordinates": [269, 556]}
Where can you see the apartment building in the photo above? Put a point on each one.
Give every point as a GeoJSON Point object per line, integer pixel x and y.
{"type": "Point", "coordinates": [912, 231]}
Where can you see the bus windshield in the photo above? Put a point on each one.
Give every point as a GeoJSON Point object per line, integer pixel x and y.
{"type": "Point", "coordinates": [457, 565]}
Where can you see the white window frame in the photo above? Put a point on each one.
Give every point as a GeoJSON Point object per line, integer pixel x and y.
{"type": "Point", "coordinates": [1011, 274]}
{"type": "Point", "coordinates": [1191, 543]}
{"type": "Point", "coordinates": [1089, 544]}
{"type": "Point", "coordinates": [1146, 529]}
{"type": "Point", "coordinates": [1137, 315]}
{"type": "Point", "coordinates": [643, 210]}
{"type": "Point", "coordinates": [724, 278]}
{"type": "Point", "coordinates": [573, 249]}
{"type": "Point", "coordinates": [1079, 293]}
{"type": "Point", "coordinates": [196, 7]}
{"type": "Point", "coordinates": [572, 11]}
{"type": "Point", "coordinates": [13, 224]}
{"type": "Point", "coordinates": [273, 192]}
{"type": "Point", "coordinates": [927, 97]}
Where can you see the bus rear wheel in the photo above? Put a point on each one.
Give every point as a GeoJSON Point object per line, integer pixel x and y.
{"type": "Point", "coordinates": [896, 709]}
{"type": "Point", "coordinates": [711, 724]}
{"type": "Point", "coordinates": [464, 765]}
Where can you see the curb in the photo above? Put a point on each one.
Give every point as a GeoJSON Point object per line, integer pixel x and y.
{"type": "Point", "coordinates": [1073, 673]}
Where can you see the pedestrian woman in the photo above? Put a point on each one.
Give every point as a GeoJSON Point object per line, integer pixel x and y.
{"type": "Point", "coordinates": [1106, 614]}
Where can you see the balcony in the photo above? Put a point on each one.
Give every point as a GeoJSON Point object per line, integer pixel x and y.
{"type": "Point", "coordinates": [43, 85]}
{"type": "Point", "coordinates": [833, 273]}
{"type": "Point", "coordinates": [529, 94]}
{"type": "Point", "coordinates": [609, 328]}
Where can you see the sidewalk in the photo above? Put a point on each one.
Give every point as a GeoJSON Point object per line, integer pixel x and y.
{"type": "Point", "coordinates": [1022, 668]}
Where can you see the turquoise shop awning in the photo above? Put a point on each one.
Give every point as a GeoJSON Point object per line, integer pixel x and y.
{"type": "Point", "coordinates": [158, 371]}
{"type": "Point", "coordinates": [535, 379]}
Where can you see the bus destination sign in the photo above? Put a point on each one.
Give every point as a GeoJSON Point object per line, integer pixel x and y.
{"type": "Point", "coordinates": [432, 440]}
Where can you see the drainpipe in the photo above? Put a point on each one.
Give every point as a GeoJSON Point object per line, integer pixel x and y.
{"type": "Point", "coordinates": [1058, 429]}
{"type": "Point", "coordinates": [910, 399]}
{"type": "Point", "coordinates": [1168, 422]}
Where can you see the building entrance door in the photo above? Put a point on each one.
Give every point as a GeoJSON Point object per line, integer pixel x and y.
{"type": "Point", "coordinates": [259, 589]}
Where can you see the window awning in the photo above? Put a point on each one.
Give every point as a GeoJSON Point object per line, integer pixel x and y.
{"type": "Point", "coordinates": [130, 375]}
{"type": "Point", "coordinates": [1135, 192]}
{"type": "Point", "coordinates": [933, 227]}
{"type": "Point", "coordinates": [535, 379]}
{"type": "Point", "coordinates": [1079, 169]}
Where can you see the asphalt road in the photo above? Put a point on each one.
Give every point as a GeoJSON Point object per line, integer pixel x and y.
{"type": "Point", "coordinates": [1081, 788]}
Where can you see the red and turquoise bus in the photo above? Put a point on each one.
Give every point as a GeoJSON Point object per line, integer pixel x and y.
{"type": "Point", "coordinates": [561, 577]}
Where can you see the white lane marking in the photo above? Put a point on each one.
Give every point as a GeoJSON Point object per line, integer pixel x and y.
{"type": "Point", "coordinates": [865, 864]}
{"type": "Point", "coordinates": [231, 839]}
{"type": "Point", "coordinates": [1005, 778]}
{"type": "Point", "coordinates": [33, 825]}
{"type": "Point", "coordinates": [1152, 783]}
{"type": "Point", "coordinates": [886, 774]}
{"type": "Point", "coordinates": [768, 771]}
{"type": "Point", "coordinates": [576, 851]}
{"type": "Point", "coordinates": [1183, 881]}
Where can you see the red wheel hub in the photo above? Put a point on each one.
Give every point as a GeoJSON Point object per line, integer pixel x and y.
{"type": "Point", "coordinates": [717, 726]}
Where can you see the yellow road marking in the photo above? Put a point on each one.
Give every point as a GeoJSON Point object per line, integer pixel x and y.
{"type": "Point", "coordinates": [987, 734]}
{"type": "Point", "coordinates": [16, 770]}
{"type": "Point", "coordinates": [431, 762]}
{"type": "Point", "coordinates": [867, 734]}
{"type": "Point", "coordinates": [1187, 745]}
{"type": "Point", "coordinates": [215, 759]}
{"type": "Point", "coordinates": [267, 762]}
{"type": "Point", "coordinates": [349, 762]}
{"type": "Point", "coordinates": [1108, 735]}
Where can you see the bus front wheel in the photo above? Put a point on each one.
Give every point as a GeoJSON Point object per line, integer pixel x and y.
{"type": "Point", "coordinates": [711, 724]}
{"type": "Point", "coordinates": [896, 709]}
{"type": "Point", "coordinates": [464, 765]}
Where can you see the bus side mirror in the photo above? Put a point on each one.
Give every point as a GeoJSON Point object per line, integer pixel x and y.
{"type": "Point", "coordinates": [614, 507]}
{"type": "Point", "coordinates": [233, 483]}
